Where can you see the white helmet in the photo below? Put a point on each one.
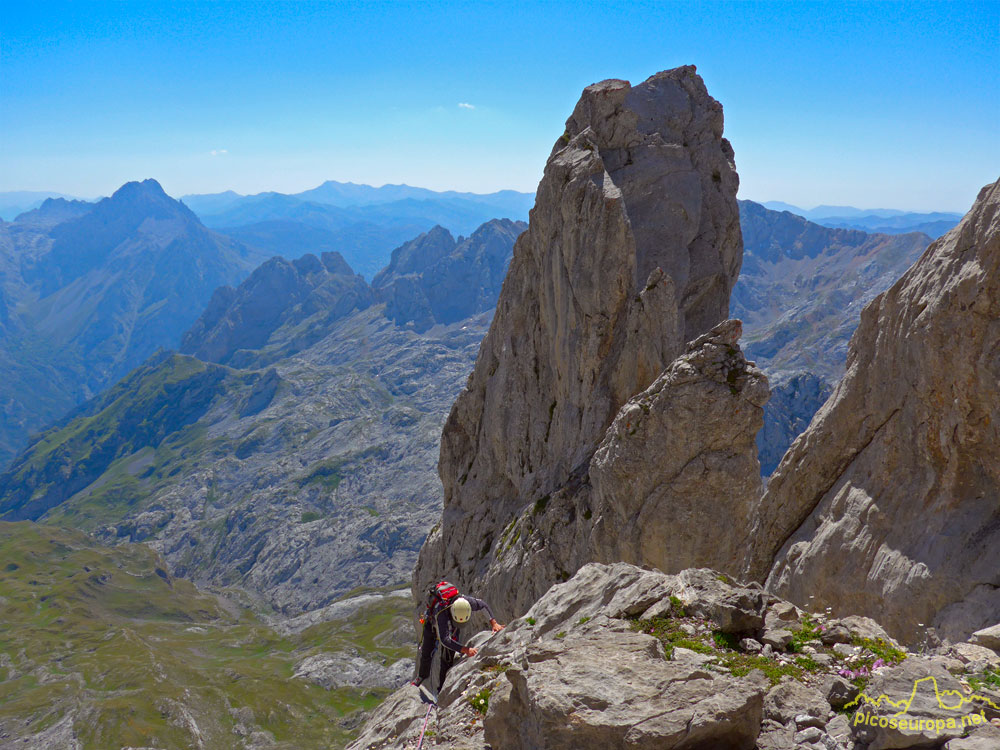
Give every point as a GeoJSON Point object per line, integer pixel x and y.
{"type": "Point", "coordinates": [461, 610]}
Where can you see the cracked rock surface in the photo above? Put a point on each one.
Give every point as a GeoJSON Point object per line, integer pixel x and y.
{"type": "Point", "coordinates": [887, 504]}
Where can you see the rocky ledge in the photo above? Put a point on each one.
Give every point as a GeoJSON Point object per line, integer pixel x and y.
{"type": "Point", "coordinates": [623, 657]}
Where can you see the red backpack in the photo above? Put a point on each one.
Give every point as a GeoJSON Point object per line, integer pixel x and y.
{"type": "Point", "coordinates": [441, 594]}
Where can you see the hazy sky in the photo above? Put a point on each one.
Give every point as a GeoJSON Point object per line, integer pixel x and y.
{"type": "Point", "coordinates": [872, 104]}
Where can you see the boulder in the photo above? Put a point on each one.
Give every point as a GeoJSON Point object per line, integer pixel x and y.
{"type": "Point", "coordinates": [838, 691]}
{"type": "Point", "coordinates": [969, 653]}
{"type": "Point", "coordinates": [777, 639]}
{"type": "Point", "coordinates": [914, 704]}
{"type": "Point", "coordinates": [572, 695]}
{"type": "Point", "coordinates": [985, 737]}
{"type": "Point", "coordinates": [987, 638]}
{"type": "Point", "coordinates": [789, 699]}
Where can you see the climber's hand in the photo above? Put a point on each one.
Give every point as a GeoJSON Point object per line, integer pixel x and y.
{"type": "Point", "coordinates": [469, 651]}
{"type": "Point", "coordinates": [497, 627]}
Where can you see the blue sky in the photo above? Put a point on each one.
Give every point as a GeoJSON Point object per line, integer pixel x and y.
{"type": "Point", "coordinates": [872, 104]}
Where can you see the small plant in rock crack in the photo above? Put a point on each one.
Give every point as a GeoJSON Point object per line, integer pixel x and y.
{"type": "Point", "coordinates": [990, 678]}
{"type": "Point", "coordinates": [481, 700]}
{"type": "Point", "coordinates": [810, 631]}
{"type": "Point", "coordinates": [669, 632]}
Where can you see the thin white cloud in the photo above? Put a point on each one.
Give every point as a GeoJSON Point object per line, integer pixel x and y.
{"type": "Point", "coordinates": [219, 152]}
{"type": "Point", "coordinates": [466, 105]}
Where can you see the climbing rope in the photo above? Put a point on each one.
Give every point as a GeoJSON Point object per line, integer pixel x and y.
{"type": "Point", "coordinates": [424, 728]}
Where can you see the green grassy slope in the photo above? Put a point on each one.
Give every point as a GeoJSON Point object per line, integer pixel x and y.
{"type": "Point", "coordinates": [162, 398]}
{"type": "Point", "coordinates": [136, 658]}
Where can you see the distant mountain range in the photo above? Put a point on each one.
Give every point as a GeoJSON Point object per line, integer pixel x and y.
{"type": "Point", "coordinates": [802, 287]}
{"type": "Point", "coordinates": [13, 203]}
{"type": "Point", "coordinates": [881, 220]}
{"type": "Point", "coordinates": [800, 294]}
{"type": "Point", "coordinates": [291, 447]}
{"type": "Point", "coordinates": [361, 222]}
{"type": "Point", "coordinates": [88, 291]}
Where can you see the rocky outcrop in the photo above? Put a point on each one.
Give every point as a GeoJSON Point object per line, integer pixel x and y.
{"type": "Point", "coordinates": [621, 657]}
{"type": "Point", "coordinates": [658, 483]}
{"type": "Point", "coordinates": [632, 250]}
{"type": "Point", "coordinates": [280, 292]}
{"type": "Point", "coordinates": [434, 279]}
{"type": "Point", "coordinates": [639, 502]}
{"type": "Point", "coordinates": [887, 504]}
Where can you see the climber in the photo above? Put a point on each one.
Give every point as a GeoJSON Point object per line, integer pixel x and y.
{"type": "Point", "coordinates": [445, 612]}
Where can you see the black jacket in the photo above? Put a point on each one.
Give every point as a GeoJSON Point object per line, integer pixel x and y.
{"type": "Point", "coordinates": [447, 629]}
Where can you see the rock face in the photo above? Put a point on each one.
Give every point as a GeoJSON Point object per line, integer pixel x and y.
{"type": "Point", "coordinates": [659, 505]}
{"type": "Point", "coordinates": [887, 504]}
{"type": "Point", "coordinates": [621, 657]}
{"type": "Point", "coordinates": [434, 279]}
{"type": "Point", "coordinates": [280, 292]}
{"type": "Point", "coordinates": [632, 250]}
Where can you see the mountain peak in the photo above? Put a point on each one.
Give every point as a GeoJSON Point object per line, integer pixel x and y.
{"type": "Point", "coordinates": [53, 211]}
{"type": "Point", "coordinates": [148, 196]}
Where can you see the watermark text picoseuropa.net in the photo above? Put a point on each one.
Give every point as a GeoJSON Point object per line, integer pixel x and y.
{"type": "Point", "coordinates": [924, 726]}
{"type": "Point", "coordinates": [965, 701]}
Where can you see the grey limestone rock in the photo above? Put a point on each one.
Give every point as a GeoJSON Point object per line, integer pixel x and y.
{"type": "Point", "coordinates": [574, 696]}
{"type": "Point", "coordinates": [778, 638]}
{"type": "Point", "coordinates": [662, 483]}
{"type": "Point", "coordinates": [789, 699]}
{"type": "Point", "coordinates": [887, 505]}
{"type": "Point", "coordinates": [986, 737]}
{"type": "Point", "coordinates": [334, 670]}
{"type": "Point", "coordinates": [632, 250]}
{"type": "Point", "coordinates": [574, 673]}
{"type": "Point", "coordinates": [902, 705]}
{"type": "Point", "coordinates": [838, 691]}
{"type": "Point", "coordinates": [987, 637]}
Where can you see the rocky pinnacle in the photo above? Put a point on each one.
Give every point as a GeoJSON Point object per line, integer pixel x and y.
{"type": "Point", "coordinates": [632, 250]}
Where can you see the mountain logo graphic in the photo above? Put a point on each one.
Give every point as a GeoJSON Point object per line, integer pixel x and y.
{"type": "Point", "coordinates": [947, 700]}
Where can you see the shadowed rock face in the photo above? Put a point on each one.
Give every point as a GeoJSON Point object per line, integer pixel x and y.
{"type": "Point", "coordinates": [787, 414]}
{"type": "Point", "coordinates": [434, 279]}
{"type": "Point", "coordinates": [887, 505]}
{"type": "Point", "coordinates": [280, 292]}
{"type": "Point", "coordinates": [632, 250]}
